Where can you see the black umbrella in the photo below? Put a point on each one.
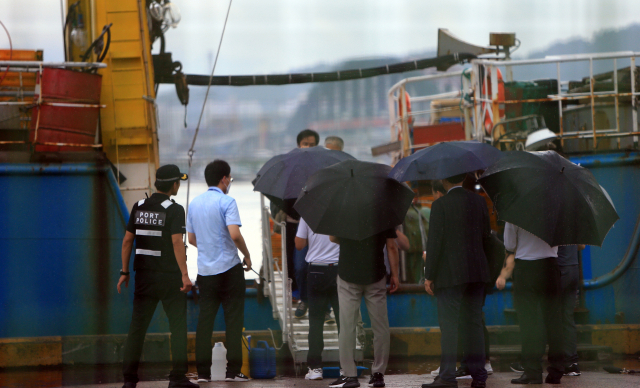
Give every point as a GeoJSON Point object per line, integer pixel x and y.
{"type": "Point", "coordinates": [550, 197]}
{"type": "Point", "coordinates": [444, 160]}
{"type": "Point", "coordinates": [281, 178]}
{"type": "Point", "coordinates": [353, 200]}
{"type": "Point", "coordinates": [284, 175]}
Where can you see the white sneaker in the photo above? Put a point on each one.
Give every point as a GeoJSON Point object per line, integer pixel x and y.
{"type": "Point", "coordinates": [238, 377]}
{"type": "Point", "coordinates": [314, 374]}
{"type": "Point", "coordinates": [202, 379]}
{"type": "Point", "coordinates": [488, 367]}
{"type": "Point", "coordinates": [435, 372]}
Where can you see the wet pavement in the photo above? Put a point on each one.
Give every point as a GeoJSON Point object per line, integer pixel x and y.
{"type": "Point", "coordinates": [411, 372]}
{"type": "Point", "coordinates": [500, 379]}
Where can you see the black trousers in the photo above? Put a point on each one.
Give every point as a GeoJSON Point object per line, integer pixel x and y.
{"type": "Point", "coordinates": [322, 290]}
{"type": "Point", "coordinates": [461, 305]}
{"type": "Point", "coordinates": [569, 280]}
{"type": "Point", "coordinates": [150, 288]}
{"type": "Point", "coordinates": [292, 229]}
{"type": "Point", "coordinates": [487, 345]}
{"type": "Point", "coordinates": [537, 293]}
{"type": "Point", "coordinates": [301, 272]}
{"type": "Point", "coordinates": [227, 288]}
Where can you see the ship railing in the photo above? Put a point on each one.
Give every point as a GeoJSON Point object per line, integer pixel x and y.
{"type": "Point", "coordinates": [18, 94]}
{"type": "Point", "coordinates": [488, 68]}
{"type": "Point", "coordinates": [401, 118]}
{"type": "Point", "coordinates": [283, 312]}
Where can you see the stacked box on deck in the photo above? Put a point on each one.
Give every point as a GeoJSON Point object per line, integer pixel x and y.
{"type": "Point", "coordinates": [67, 112]}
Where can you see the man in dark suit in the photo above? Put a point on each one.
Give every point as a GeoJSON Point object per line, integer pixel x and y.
{"type": "Point", "coordinates": [456, 271]}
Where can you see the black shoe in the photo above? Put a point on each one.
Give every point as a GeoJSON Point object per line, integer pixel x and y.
{"type": "Point", "coordinates": [478, 384]}
{"type": "Point", "coordinates": [328, 319]}
{"type": "Point", "coordinates": [376, 380]}
{"type": "Point", "coordinates": [439, 383]}
{"type": "Point", "coordinates": [301, 310]}
{"type": "Point", "coordinates": [238, 377]}
{"type": "Point", "coordinates": [572, 370]}
{"type": "Point", "coordinates": [526, 379]}
{"type": "Point", "coordinates": [345, 382]}
{"type": "Point", "coordinates": [516, 367]}
{"type": "Point", "coordinates": [182, 383]}
{"type": "Point", "coordinates": [129, 385]}
{"type": "Point", "coordinates": [462, 373]}
{"type": "Point", "coordinates": [553, 378]}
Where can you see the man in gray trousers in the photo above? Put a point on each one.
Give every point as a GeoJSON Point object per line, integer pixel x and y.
{"type": "Point", "coordinates": [362, 273]}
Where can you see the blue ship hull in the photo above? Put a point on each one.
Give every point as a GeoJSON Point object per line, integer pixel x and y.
{"type": "Point", "coordinates": [62, 231]}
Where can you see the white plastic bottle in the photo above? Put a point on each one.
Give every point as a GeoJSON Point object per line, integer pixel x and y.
{"type": "Point", "coordinates": [218, 362]}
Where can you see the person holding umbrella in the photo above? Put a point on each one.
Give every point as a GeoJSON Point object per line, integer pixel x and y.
{"type": "Point", "coordinates": [364, 276]}
{"type": "Point", "coordinates": [456, 266]}
{"type": "Point", "coordinates": [537, 289]}
{"type": "Point", "coordinates": [359, 207]}
{"type": "Point", "coordinates": [546, 201]}
{"type": "Point", "coordinates": [322, 290]}
{"type": "Point", "coordinates": [280, 179]}
{"type": "Point", "coordinates": [456, 270]}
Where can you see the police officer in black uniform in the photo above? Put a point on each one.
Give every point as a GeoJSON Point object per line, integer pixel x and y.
{"type": "Point", "coordinates": [157, 225]}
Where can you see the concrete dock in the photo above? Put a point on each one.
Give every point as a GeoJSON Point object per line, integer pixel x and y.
{"type": "Point", "coordinates": [498, 380]}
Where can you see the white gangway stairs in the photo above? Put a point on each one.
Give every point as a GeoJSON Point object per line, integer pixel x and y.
{"type": "Point", "coordinates": [295, 331]}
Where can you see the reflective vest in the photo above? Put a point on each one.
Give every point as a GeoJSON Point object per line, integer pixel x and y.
{"type": "Point", "coordinates": [154, 247]}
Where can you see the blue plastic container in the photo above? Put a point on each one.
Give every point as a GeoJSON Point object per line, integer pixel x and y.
{"type": "Point", "coordinates": [262, 361]}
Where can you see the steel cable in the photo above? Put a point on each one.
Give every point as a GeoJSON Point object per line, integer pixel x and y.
{"type": "Point", "coordinates": [204, 104]}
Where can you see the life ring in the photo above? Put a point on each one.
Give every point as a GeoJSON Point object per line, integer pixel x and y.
{"type": "Point", "coordinates": [487, 110]}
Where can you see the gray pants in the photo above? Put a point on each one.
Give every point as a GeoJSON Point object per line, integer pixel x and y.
{"type": "Point", "coordinates": [375, 296]}
{"type": "Point", "coordinates": [569, 279]}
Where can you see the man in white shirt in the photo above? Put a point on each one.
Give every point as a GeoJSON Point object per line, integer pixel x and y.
{"type": "Point", "coordinates": [322, 289]}
{"type": "Point", "coordinates": [536, 289]}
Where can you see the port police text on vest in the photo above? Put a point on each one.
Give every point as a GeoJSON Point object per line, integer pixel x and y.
{"type": "Point", "coordinates": [150, 218]}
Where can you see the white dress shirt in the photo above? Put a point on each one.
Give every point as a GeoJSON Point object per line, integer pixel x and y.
{"type": "Point", "coordinates": [525, 245]}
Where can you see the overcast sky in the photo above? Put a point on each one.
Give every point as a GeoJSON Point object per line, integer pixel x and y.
{"type": "Point", "coordinates": [275, 36]}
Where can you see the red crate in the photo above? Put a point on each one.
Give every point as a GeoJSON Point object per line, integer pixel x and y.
{"type": "Point", "coordinates": [70, 86]}
{"type": "Point", "coordinates": [64, 124]}
{"type": "Point", "coordinates": [75, 119]}
{"type": "Point", "coordinates": [55, 136]}
{"type": "Point", "coordinates": [431, 134]}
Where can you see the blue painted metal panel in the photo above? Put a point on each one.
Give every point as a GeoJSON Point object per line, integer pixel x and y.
{"type": "Point", "coordinates": [619, 174]}
{"type": "Point", "coordinates": [62, 232]}
{"type": "Point", "coordinates": [61, 237]}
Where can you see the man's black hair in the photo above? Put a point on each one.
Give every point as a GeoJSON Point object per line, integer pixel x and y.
{"type": "Point", "coordinates": [164, 187]}
{"type": "Point", "coordinates": [457, 178]}
{"type": "Point", "coordinates": [436, 185]}
{"type": "Point", "coordinates": [306, 133]}
{"type": "Point", "coordinates": [215, 171]}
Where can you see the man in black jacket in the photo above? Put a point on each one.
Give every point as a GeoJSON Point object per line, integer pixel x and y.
{"type": "Point", "coordinates": [156, 225]}
{"type": "Point", "coordinates": [456, 271]}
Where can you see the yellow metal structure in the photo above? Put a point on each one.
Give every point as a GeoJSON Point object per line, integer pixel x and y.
{"type": "Point", "coordinates": [128, 122]}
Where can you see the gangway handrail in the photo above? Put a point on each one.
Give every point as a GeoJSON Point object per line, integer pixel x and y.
{"type": "Point", "coordinates": [267, 256]}
{"type": "Point", "coordinates": [490, 67]}
{"type": "Point", "coordinates": [421, 78]}
{"type": "Point", "coordinates": [285, 319]}
{"type": "Point", "coordinates": [555, 59]}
